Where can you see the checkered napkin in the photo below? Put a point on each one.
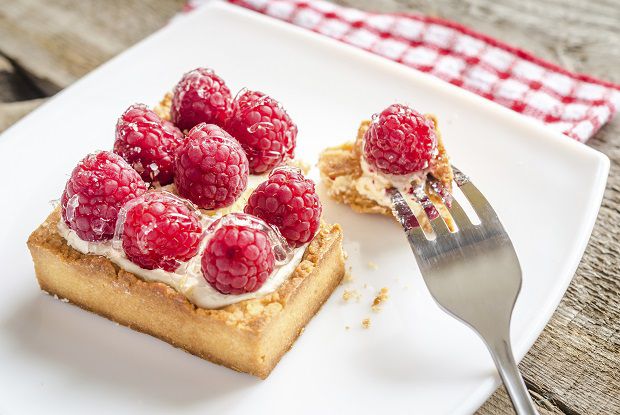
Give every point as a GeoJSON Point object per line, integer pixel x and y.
{"type": "Point", "coordinates": [573, 104]}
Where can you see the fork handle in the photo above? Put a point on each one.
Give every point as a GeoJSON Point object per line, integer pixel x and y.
{"type": "Point", "coordinates": [509, 372]}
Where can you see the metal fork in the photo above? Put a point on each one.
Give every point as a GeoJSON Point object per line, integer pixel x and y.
{"type": "Point", "coordinates": [473, 273]}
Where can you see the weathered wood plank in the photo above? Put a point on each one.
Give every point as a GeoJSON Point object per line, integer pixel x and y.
{"type": "Point", "coordinates": [11, 112]}
{"type": "Point", "coordinates": [59, 41]}
{"type": "Point", "coordinates": [573, 367]}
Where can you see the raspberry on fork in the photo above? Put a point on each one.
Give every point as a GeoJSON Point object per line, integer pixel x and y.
{"type": "Point", "coordinates": [238, 257]}
{"type": "Point", "coordinates": [288, 201]}
{"type": "Point", "coordinates": [147, 143]}
{"type": "Point", "coordinates": [200, 96]}
{"type": "Point", "coordinates": [211, 168]}
{"type": "Point", "coordinates": [159, 230]}
{"type": "Point", "coordinates": [99, 186]}
{"type": "Point", "coordinates": [264, 129]}
{"type": "Point", "coordinates": [400, 141]}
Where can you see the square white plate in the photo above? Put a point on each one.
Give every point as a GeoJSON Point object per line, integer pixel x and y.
{"type": "Point", "coordinates": [57, 358]}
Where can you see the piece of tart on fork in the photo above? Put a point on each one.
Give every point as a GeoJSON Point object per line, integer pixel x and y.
{"type": "Point", "coordinates": [196, 237]}
{"type": "Point", "coordinates": [400, 148]}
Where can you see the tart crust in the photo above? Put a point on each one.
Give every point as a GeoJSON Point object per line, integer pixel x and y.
{"type": "Point", "coordinates": [340, 169]}
{"type": "Point", "coordinates": [250, 336]}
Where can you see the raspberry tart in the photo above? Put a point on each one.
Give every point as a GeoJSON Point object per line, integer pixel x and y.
{"type": "Point", "coordinates": [181, 234]}
{"type": "Point", "coordinates": [399, 148]}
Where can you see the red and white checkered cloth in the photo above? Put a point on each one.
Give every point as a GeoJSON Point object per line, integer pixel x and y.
{"type": "Point", "coordinates": [576, 105]}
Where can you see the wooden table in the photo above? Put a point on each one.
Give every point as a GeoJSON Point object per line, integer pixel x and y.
{"type": "Point", "coordinates": [574, 367]}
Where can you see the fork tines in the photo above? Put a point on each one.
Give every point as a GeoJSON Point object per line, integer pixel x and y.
{"type": "Point", "coordinates": [433, 218]}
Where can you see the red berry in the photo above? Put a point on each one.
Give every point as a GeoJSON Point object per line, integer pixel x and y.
{"type": "Point", "coordinates": [148, 143]}
{"type": "Point", "coordinates": [238, 257]}
{"type": "Point", "coordinates": [400, 141]}
{"type": "Point", "coordinates": [200, 96]}
{"type": "Point", "coordinates": [288, 201]}
{"type": "Point", "coordinates": [264, 129]}
{"type": "Point", "coordinates": [99, 186]}
{"type": "Point", "coordinates": [211, 168]}
{"type": "Point", "coordinates": [160, 230]}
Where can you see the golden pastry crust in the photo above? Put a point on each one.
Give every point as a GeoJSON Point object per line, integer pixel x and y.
{"type": "Point", "coordinates": [250, 336]}
{"type": "Point", "coordinates": [163, 107]}
{"type": "Point", "coordinates": [340, 168]}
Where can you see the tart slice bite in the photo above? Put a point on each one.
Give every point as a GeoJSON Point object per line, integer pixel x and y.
{"type": "Point", "coordinates": [400, 148]}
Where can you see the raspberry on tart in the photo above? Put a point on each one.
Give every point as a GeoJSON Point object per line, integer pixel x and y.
{"type": "Point", "coordinates": [200, 96]}
{"type": "Point", "coordinates": [264, 129]}
{"type": "Point", "coordinates": [99, 186]}
{"type": "Point", "coordinates": [238, 256]}
{"type": "Point", "coordinates": [147, 143]}
{"type": "Point", "coordinates": [159, 230]}
{"type": "Point", "coordinates": [288, 201]}
{"type": "Point", "coordinates": [400, 141]}
{"type": "Point", "coordinates": [211, 168]}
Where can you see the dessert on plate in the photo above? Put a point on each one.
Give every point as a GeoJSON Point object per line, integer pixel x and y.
{"type": "Point", "coordinates": [398, 148]}
{"type": "Point", "coordinates": [196, 229]}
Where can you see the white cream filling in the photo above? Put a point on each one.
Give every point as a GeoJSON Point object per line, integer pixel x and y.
{"type": "Point", "coordinates": [374, 185]}
{"type": "Point", "coordinates": [187, 278]}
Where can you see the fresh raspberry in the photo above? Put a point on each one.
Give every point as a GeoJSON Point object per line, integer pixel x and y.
{"type": "Point", "coordinates": [238, 257]}
{"type": "Point", "coordinates": [264, 129]}
{"type": "Point", "coordinates": [288, 201]}
{"type": "Point", "coordinates": [99, 186]}
{"type": "Point", "coordinates": [211, 168]}
{"type": "Point", "coordinates": [148, 143]}
{"type": "Point", "coordinates": [160, 231]}
{"type": "Point", "coordinates": [400, 140]}
{"type": "Point", "coordinates": [200, 96]}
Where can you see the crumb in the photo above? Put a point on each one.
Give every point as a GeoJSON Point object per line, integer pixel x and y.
{"type": "Point", "coordinates": [345, 254]}
{"type": "Point", "coordinates": [300, 164]}
{"type": "Point", "coordinates": [347, 327]}
{"type": "Point", "coordinates": [64, 300]}
{"type": "Point", "coordinates": [379, 299]}
{"type": "Point", "coordinates": [372, 265]}
{"type": "Point", "coordinates": [348, 277]}
{"type": "Point", "coordinates": [366, 323]}
{"type": "Point", "coordinates": [351, 294]}
{"type": "Point", "coordinates": [365, 285]}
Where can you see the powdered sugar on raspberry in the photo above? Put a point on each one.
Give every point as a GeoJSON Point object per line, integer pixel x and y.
{"type": "Point", "coordinates": [288, 201]}
{"type": "Point", "coordinates": [99, 186]}
{"type": "Point", "coordinates": [211, 169]}
{"type": "Point", "coordinates": [264, 129]}
{"type": "Point", "coordinates": [399, 141]}
{"type": "Point", "coordinates": [159, 230]}
{"type": "Point", "coordinates": [147, 143]}
{"type": "Point", "coordinates": [200, 96]}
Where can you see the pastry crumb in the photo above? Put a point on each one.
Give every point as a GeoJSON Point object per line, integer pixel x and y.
{"type": "Point", "coordinates": [348, 276]}
{"type": "Point", "coordinates": [351, 295]}
{"type": "Point", "coordinates": [380, 299]}
{"type": "Point", "coordinates": [372, 265]}
{"type": "Point", "coordinates": [366, 323]}
{"type": "Point", "coordinates": [303, 165]}
{"type": "Point", "coordinates": [345, 254]}
{"type": "Point", "coordinates": [347, 327]}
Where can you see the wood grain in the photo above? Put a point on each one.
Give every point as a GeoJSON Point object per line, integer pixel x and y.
{"type": "Point", "coordinates": [574, 366]}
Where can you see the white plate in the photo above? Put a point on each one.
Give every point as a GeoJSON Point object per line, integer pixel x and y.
{"type": "Point", "coordinates": [57, 358]}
